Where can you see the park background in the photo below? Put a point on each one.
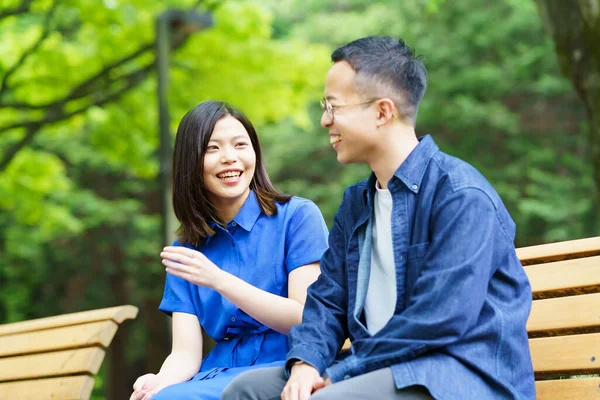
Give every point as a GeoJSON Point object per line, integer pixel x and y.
{"type": "Point", "coordinates": [514, 89]}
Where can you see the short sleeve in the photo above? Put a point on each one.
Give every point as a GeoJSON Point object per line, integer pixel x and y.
{"type": "Point", "coordinates": [177, 296]}
{"type": "Point", "coordinates": [306, 238]}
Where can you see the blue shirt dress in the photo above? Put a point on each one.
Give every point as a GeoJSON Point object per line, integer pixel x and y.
{"type": "Point", "coordinates": [262, 250]}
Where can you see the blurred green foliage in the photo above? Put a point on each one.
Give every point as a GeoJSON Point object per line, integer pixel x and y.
{"type": "Point", "coordinates": [79, 201]}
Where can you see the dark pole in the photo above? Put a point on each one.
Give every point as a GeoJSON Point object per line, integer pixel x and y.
{"type": "Point", "coordinates": [163, 45]}
{"type": "Point", "coordinates": [168, 24]}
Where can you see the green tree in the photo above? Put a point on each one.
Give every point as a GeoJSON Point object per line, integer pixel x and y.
{"type": "Point", "coordinates": [575, 29]}
{"type": "Point", "coordinates": [79, 198]}
{"type": "Point", "coordinates": [495, 98]}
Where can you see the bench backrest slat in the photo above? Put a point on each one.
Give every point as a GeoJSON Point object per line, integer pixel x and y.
{"type": "Point", "coordinates": [117, 314]}
{"type": "Point", "coordinates": [545, 253]}
{"type": "Point", "coordinates": [565, 316]}
{"type": "Point", "coordinates": [58, 363]}
{"type": "Point", "coordinates": [565, 278]}
{"type": "Point", "coordinates": [568, 389]}
{"type": "Point", "coordinates": [64, 388]}
{"type": "Point", "coordinates": [566, 355]}
{"type": "Point", "coordinates": [68, 337]}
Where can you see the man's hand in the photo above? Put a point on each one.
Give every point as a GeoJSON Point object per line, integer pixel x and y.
{"type": "Point", "coordinates": [304, 380]}
{"type": "Point", "coordinates": [325, 384]}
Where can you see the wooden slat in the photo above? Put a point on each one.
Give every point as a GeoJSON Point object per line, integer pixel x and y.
{"type": "Point", "coordinates": [65, 388]}
{"type": "Point", "coordinates": [68, 362]}
{"type": "Point", "coordinates": [565, 278]}
{"type": "Point", "coordinates": [568, 389]}
{"type": "Point", "coordinates": [70, 337]}
{"type": "Point", "coordinates": [559, 251]}
{"type": "Point", "coordinates": [566, 355]}
{"type": "Point", "coordinates": [117, 314]}
{"type": "Point", "coordinates": [565, 316]}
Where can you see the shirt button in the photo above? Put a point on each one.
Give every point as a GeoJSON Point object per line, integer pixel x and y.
{"type": "Point", "coordinates": [233, 224]}
{"type": "Point", "coordinates": [347, 376]}
{"type": "Point", "coordinates": [232, 319]}
{"type": "Point", "coordinates": [414, 187]}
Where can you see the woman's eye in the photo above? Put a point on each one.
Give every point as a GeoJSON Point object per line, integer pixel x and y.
{"type": "Point", "coordinates": [241, 144]}
{"type": "Point", "coordinates": [209, 148]}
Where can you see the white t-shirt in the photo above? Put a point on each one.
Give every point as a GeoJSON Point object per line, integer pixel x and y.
{"type": "Point", "coordinates": [380, 301]}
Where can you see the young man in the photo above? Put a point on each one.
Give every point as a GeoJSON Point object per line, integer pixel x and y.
{"type": "Point", "coordinates": [421, 272]}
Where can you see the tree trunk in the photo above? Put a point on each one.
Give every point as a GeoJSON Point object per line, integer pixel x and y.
{"type": "Point", "coordinates": [575, 28]}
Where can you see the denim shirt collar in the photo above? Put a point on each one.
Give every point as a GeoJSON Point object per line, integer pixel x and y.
{"type": "Point", "coordinates": [248, 214]}
{"type": "Point", "coordinates": [411, 171]}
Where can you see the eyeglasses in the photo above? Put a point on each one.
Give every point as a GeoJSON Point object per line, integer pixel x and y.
{"type": "Point", "coordinates": [327, 107]}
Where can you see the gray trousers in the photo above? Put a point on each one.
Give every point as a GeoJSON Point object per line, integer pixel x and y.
{"type": "Point", "coordinates": [267, 384]}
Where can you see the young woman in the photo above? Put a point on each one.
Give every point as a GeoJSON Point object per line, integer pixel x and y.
{"type": "Point", "coordinates": [243, 261]}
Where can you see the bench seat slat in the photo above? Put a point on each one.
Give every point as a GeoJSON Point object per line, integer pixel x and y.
{"type": "Point", "coordinates": [565, 278]}
{"type": "Point", "coordinates": [559, 251]}
{"type": "Point", "coordinates": [69, 337]}
{"type": "Point", "coordinates": [565, 316]}
{"type": "Point", "coordinates": [116, 314]}
{"type": "Point", "coordinates": [65, 388]}
{"type": "Point", "coordinates": [565, 355]}
{"type": "Point", "coordinates": [59, 363]}
{"type": "Point", "coordinates": [568, 389]}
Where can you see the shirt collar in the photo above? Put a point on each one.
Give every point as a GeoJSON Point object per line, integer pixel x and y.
{"type": "Point", "coordinates": [412, 170]}
{"type": "Point", "coordinates": [245, 218]}
{"type": "Point", "coordinates": [249, 213]}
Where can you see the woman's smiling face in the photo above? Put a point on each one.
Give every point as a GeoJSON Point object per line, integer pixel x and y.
{"type": "Point", "coordinates": [229, 164]}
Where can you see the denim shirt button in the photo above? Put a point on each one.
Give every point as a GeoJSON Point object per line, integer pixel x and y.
{"type": "Point", "coordinates": [414, 187]}
{"type": "Point", "coordinates": [346, 376]}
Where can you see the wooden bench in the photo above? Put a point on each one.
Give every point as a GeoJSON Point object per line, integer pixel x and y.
{"type": "Point", "coordinates": [564, 324]}
{"type": "Point", "coordinates": [57, 357]}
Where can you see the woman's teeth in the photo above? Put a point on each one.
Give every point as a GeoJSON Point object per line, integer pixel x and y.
{"type": "Point", "coordinates": [335, 139]}
{"type": "Point", "coordinates": [229, 175]}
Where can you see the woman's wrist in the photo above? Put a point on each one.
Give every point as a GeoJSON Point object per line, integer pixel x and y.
{"type": "Point", "coordinates": [221, 281]}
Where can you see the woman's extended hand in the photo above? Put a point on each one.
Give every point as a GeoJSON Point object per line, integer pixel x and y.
{"type": "Point", "coordinates": [192, 266]}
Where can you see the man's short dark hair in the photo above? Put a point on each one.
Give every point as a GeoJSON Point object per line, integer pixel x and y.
{"type": "Point", "coordinates": [386, 67]}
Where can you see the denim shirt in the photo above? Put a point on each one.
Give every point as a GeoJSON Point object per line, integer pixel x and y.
{"type": "Point", "coordinates": [463, 299]}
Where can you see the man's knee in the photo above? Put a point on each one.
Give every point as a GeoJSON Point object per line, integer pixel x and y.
{"type": "Point", "coordinates": [259, 384]}
{"type": "Point", "coordinates": [236, 390]}
{"type": "Point", "coordinates": [241, 388]}
{"type": "Point", "coordinates": [328, 393]}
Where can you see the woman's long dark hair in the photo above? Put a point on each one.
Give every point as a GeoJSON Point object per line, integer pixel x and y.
{"type": "Point", "coordinates": [190, 202]}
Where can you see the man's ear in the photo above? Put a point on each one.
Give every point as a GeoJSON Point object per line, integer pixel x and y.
{"type": "Point", "coordinates": [386, 111]}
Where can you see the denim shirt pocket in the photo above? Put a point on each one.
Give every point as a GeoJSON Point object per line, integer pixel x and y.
{"type": "Point", "coordinates": [414, 260]}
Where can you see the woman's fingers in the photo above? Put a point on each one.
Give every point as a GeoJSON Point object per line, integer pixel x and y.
{"type": "Point", "coordinates": [185, 252]}
{"type": "Point", "coordinates": [177, 257]}
{"type": "Point", "coordinates": [180, 270]}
